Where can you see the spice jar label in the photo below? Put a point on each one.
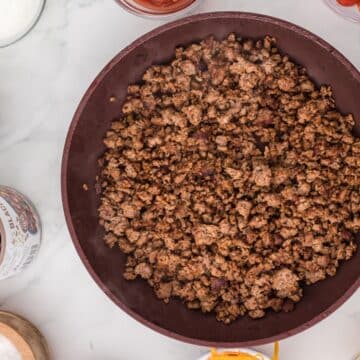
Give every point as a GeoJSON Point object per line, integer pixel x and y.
{"type": "Point", "coordinates": [20, 232]}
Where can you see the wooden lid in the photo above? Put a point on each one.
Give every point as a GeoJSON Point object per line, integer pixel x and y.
{"type": "Point", "coordinates": [18, 341]}
{"type": "Point", "coordinates": [25, 337]}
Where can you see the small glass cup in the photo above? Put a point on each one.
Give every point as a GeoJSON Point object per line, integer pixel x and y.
{"type": "Point", "coordinates": [351, 13]}
{"type": "Point", "coordinates": [139, 7]}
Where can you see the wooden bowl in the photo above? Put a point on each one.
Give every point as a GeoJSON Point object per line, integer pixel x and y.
{"type": "Point", "coordinates": [24, 336]}
{"type": "Point", "coordinates": [84, 146]}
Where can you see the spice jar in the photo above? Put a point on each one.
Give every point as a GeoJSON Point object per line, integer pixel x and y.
{"type": "Point", "coordinates": [20, 340]}
{"type": "Point", "coordinates": [20, 232]}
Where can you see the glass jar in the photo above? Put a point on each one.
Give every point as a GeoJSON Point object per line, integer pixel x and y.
{"type": "Point", "coordinates": [20, 232]}
{"type": "Point", "coordinates": [17, 18]}
{"type": "Point", "coordinates": [158, 8]}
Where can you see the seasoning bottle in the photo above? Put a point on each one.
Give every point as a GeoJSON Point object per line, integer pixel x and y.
{"type": "Point", "coordinates": [20, 340]}
{"type": "Point", "coordinates": [20, 232]}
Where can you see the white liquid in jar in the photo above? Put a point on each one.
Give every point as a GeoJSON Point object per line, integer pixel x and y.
{"type": "Point", "coordinates": [17, 17]}
{"type": "Point", "coordinates": [8, 350]}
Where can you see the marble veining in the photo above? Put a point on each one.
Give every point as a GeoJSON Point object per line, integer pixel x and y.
{"type": "Point", "coordinates": [43, 77]}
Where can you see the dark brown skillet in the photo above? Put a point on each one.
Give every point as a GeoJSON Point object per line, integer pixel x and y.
{"type": "Point", "coordinates": [84, 146]}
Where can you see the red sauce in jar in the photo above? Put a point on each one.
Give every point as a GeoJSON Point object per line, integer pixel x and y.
{"type": "Point", "coordinates": [165, 5]}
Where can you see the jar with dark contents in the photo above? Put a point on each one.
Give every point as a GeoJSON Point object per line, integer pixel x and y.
{"type": "Point", "coordinates": [20, 232]}
{"type": "Point", "coordinates": [159, 8]}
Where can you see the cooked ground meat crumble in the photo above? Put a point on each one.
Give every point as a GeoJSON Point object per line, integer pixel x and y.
{"type": "Point", "coordinates": [231, 180]}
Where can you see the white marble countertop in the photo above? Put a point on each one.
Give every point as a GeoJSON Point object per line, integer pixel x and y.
{"type": "Point", "coordinates": [42, 79]}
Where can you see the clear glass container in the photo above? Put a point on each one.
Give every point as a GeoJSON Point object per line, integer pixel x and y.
{"type": "Point", "coordinates": [17, 18]}
{"type": "Point", "coordinates": [149, 9]}
{"type": "Point", "coordinates": [351, 13]}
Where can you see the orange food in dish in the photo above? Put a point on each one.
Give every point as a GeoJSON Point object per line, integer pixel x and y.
{"type": "Point", "coordinates": [348, 2]}
{"type": "Point", "coordinates": [234, 355]}
{"type": "Point", "coordinates": [230, 355]}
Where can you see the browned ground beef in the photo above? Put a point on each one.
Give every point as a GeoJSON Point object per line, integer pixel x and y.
{"type": "Point", "coordinates": [231, 180]}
